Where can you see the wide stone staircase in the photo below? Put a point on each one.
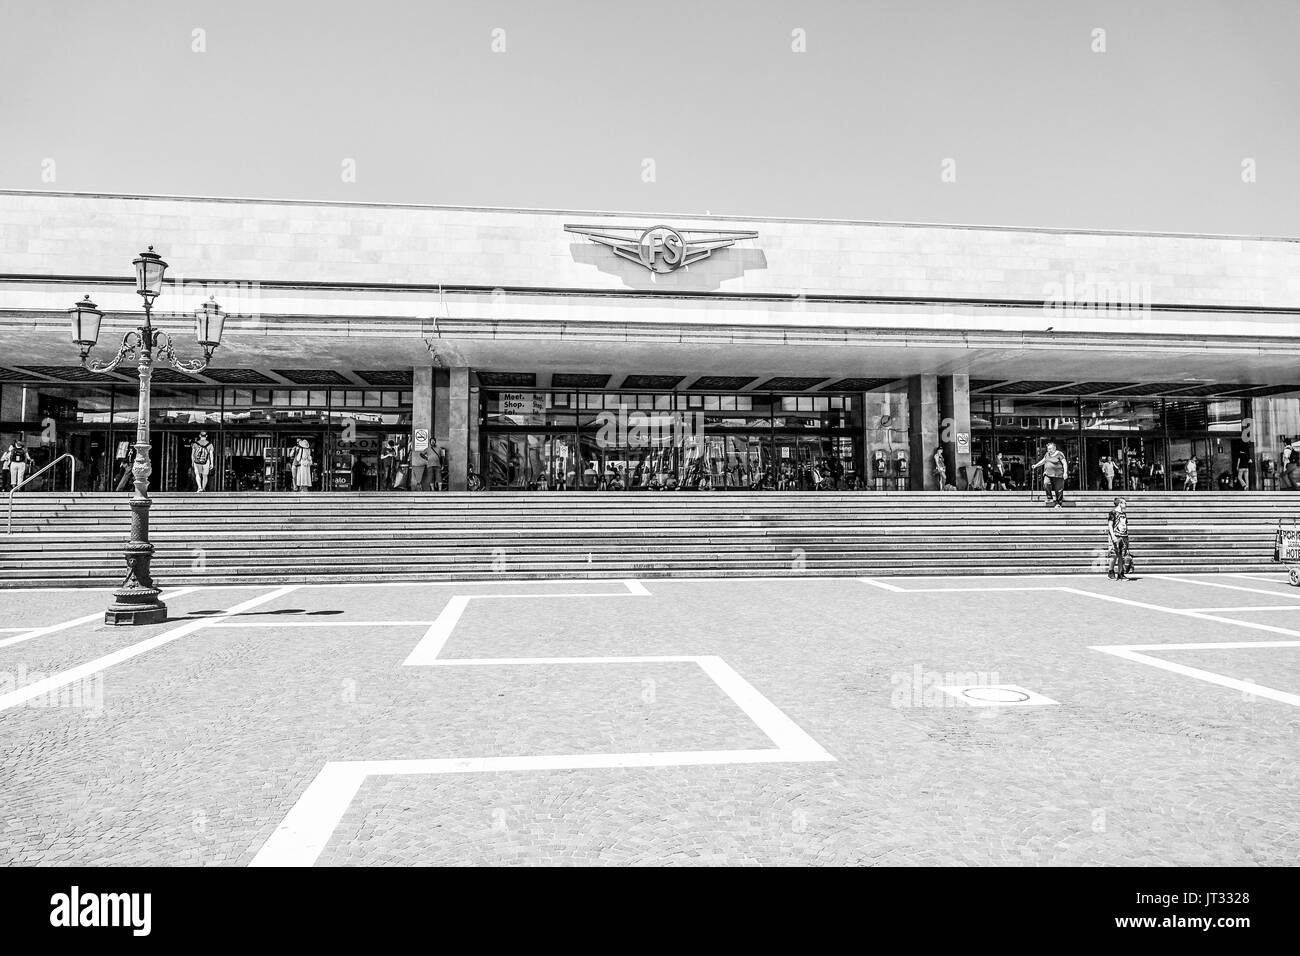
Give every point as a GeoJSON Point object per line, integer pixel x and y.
{"type": "Point", "coordinates": [222, 538]}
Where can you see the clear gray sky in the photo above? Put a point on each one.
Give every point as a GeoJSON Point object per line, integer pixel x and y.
{"type": "Point", "coordinates": [1149, 135]}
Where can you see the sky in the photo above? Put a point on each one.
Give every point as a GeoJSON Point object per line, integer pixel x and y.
{"type": "Point", "coordinates": [1183, 116]}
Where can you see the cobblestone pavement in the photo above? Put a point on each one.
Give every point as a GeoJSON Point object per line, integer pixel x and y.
{"type": "Point", "coordinates": [194, 748]}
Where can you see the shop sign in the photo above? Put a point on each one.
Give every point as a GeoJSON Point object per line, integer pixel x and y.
{"type": "Point", "coordinates": [661, 249]}
{"type": "Point", "coordinates": [523, 408]}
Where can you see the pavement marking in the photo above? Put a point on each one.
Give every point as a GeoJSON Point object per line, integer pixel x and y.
{"type": "Point", "coordinates": [239, 624]}
{"type": "Point", "coordinates": [81, 671]}
{"type": "Point", "coordinates": [1256, 607]}
{"type": "Point", "coordinates": [431, 645]}
{"type": "Point", "coordinates": [40, 631]}
{"type": "Point", "coordinates": [307, 828]}
{"type": "Point", "coordinates": [1011, 587]}
{"type": "Point", "coordinates": [1230, 587]}
{"type": "Point", "coordinates": [1131, 653]}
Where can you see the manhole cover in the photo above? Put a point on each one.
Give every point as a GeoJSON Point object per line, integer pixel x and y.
{"type": "Point", "coordinates": [998, 695]}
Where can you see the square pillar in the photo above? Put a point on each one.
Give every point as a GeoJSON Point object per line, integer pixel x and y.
{"type": "Point", "coordinates": [458, 428]}
{"type": "Point", "coordinates": [421, 408]}
{"type": "Point", "coordinates": [923, 431]}
{"type": "Point", "coordinates": [954, 431]}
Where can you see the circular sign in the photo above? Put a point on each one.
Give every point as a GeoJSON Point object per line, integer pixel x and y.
{"type": "Point", "coordinates": [996, 695]}
{"type": "Point", "coordinates": [662, 249]}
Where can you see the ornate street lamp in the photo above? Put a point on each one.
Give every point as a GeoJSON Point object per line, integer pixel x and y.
{"type": "Point", "coordinates": [136, 600]}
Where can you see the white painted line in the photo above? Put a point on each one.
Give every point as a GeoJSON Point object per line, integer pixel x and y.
{"type": "Point", "coordinates": [1246, 687]}
{"type": "Point", "coordinates": [1204, 646]}
{"type": "Point", "coordinates": [783, 731]}
{"type": "Point", "coordinates": [295, 623]}
{"type": "Point", "coordinates": [81, 671]}
{"type": "Point", "coordinates": [430, 646]}
{"type": "Point", "coordinates": [32, 633]}
{"type": "Point", "coordinates": [307, 828]}
{"type": "Point", "coordinates": [15, 630]}
{"type": "Point", "coordinates": [302, 835]}
{"type": "Point", "coordinates": [883, 585]}
{"type": "Point", "coordinates": [489, 661]}
{"type": "Point", "coordinates": [1252, 625]}
{"type": "Point", "coordinates": [1219, 584]}
{"type": "Point", "coordinates": [1255, 607]}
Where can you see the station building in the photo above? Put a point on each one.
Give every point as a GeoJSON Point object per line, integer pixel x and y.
{"type": "Point", "coordinates": [559, 349]}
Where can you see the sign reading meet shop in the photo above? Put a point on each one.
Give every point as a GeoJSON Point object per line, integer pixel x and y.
{"type": "Point", "coordinates": [661, 249]}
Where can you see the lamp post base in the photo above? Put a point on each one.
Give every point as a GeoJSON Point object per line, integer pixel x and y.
{"type": "Point", "coordinates": [136, 606]}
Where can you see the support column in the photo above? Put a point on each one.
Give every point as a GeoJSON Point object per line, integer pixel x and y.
{"type": "Point", "coordinates": [923, 431]}
{"type": "Point", "coordinates": [954, 426]}
{"type": "Point", "coordinates": [458, 422]}
{"type": "Point", "coordinates": [421, 415]}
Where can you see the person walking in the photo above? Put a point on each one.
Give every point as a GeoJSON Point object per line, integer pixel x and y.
{"type": "Point", "coordinates": [201, 461]}
{"type": "Point", "coordinates": [1243, 471]}
{"type": "Point", "coordinates": [15, 459]}
{"type": "Point", "coordinates": [1117, 531]}
{"type": "Point", "coordinates": [1055, 470]}
{"type": "Point", "coordinates": [1190, 475]}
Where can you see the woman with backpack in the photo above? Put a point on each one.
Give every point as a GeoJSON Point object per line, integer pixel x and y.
{"type": "Point", "coordinates": [17, 458]}
{"type": "Point", "coordinates": [201, 461]}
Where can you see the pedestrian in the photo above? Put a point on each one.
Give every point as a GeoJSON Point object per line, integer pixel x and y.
{"type": "Point", "coordinates": [16, 458]}
{"type": "Point", "coordinates": [1243, 471]}
{"type": "Point", "coordinates": [1108, 472]}
{"type": "Point", "coordinates": [1001, 479]}
{"type": "Point", "coordinates": [301, 460]}
{"type": "Point", "coordinates": [201, 460]}
{"type": "Point", "coordinates": [940, 469]}
{"type": "Point", "coordinates": [1190, 474]}
{"type": "Point", "coordinates": [387, 466]}
{"type": "Point", "coordinates": [1055, 470]}
{"type": "Point", "coordinates": [1117, 531]}
{"type": "Point", "coordinates": [421, 469]}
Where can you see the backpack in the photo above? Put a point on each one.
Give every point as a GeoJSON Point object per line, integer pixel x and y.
{"type": "Point", "coordinates": [200, 455]}
{"type": "Point", "coordinates": [18, 456]}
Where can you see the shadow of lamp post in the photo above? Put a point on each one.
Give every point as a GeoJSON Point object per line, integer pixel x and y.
{"type": "Point", "coordinates": [136, 600]}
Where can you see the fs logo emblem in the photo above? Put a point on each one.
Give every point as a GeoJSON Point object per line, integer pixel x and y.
{"type": "Point", "coordinates": [661, 249]}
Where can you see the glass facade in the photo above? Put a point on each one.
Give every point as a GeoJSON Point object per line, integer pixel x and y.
{"type": "Point", "coordinates": [625, 441]}
{"type": "Point", "coordinates": [359, 439]}
{"type": "Point", "coordinates": [1148, 444]}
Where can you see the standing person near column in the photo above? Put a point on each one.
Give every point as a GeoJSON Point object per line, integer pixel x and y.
{"type": "Point", "coordinates": [1055, 470]}
{"type": "Point", "coordinates": [421, 470]}
{"type": "Point", "coordinates": [940, 469]}
{"type": "Point", "coordinates": [1117, 531]}
{"type": "Point", "coordinates": [1108, 472]}
{"type": "Point", "coordinates": [16, 458]}
{"type": "Point", "coordinates": [301, 460]}
{"type": "Point", "coordinates": [387, 466]}
{"type": "Point", "coordinates": [201, 459]}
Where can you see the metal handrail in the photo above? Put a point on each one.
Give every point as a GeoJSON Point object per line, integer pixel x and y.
{"type": "Point", "coordinates": [72, 485]}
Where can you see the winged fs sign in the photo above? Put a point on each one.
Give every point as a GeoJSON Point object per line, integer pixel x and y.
{"type": "Point", "coordinates": [661, 249]}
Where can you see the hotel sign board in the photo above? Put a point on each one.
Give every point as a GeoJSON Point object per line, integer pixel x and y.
{"type": "Point", "coordinates": [661, 249]}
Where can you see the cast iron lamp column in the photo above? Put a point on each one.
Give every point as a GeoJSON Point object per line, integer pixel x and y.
{"type": "Point", "coordinates": [136, 600]}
